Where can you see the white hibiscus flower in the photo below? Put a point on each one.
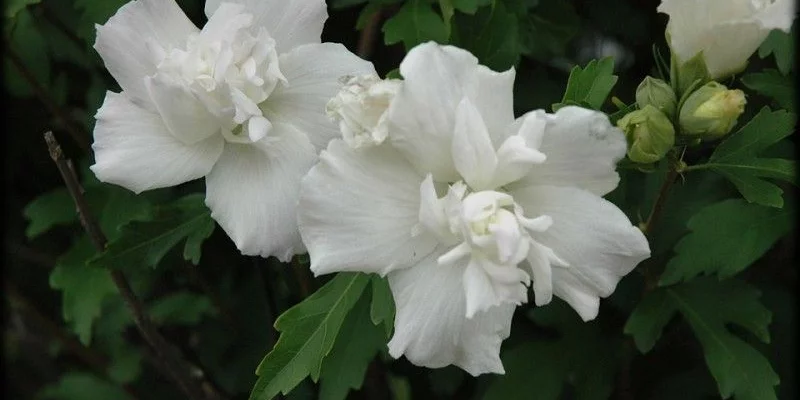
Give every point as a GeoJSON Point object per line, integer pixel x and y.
{"type": "Point", "coordinates": [463, 206]}
{"type": "Point", "coordinates": [727, 32]}
{"type": "Point", "coordinates": [240, 102]}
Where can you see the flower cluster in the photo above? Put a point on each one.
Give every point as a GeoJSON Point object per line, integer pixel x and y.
{"type": "Point", "coordinates": [430, 180]}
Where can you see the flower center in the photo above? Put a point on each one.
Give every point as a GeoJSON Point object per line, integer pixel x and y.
{"type": "Point", "coordinates": [229, 68]}
{"type": "Point", "coordinates": [360, 109]}
{"type": "Point", "coordinates": [489, 229]}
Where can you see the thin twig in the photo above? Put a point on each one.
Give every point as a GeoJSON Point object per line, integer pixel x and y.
{"type": "Point", "coordinates": [366, 40]}
{"type": "Point", "coordinates": [78, 135]}
{"type": "Point", "coordinates": [189, 378]}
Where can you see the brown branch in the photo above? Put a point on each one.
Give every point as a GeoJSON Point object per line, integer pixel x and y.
{"type": "Point", "coordinates": [189, 378]}
{"type": "Point", "coordinates": [366, 40]}
{"type": "Point", "coordinates": [78, 135]}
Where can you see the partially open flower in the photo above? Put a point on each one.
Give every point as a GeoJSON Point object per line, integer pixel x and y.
{"type": "Point", "coordinates": [712, 111]}
{"type": "Point", "coordinates": [726, 32]}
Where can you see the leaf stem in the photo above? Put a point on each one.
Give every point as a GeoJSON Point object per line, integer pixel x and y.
{"type": "Point", "coordinates": [189, 378]}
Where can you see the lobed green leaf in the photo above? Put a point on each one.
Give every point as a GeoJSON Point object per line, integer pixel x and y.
{"type": "Point", "coordinates": [308, 332]}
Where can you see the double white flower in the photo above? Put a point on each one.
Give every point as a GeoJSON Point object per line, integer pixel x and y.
{"type": "Point", "coordinates": [240, 102]}
{"type": "Point", "coordinates": [462, 206]}
{"type": "Point", "coordinates": [727, 32]}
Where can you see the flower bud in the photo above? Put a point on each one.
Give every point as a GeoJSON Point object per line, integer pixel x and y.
{"type": "Point", "coordinates": [649, 132]}
{"type": "Point", "coordinates": [658, 94]}
{"type": "Point", "coordinates": [711, 111]}
{"type": "Point", "coordinates": [360, 109]}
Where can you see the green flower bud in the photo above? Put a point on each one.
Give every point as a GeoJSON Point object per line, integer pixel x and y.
{"type": "Point", "coordinates": [658, 94]}
{"type": "Point", "coordinates": [711, 111]}
{"type": "Point", "coordinates": [650, 134]}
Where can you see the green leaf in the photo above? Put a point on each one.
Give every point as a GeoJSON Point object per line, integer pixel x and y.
{"type": "Point", "coordinates": [781, 44]}
{"type": "Point", "coordinates": [13, 7]}
{"type": "Point", "coordinates": [146, 243]}
{"type": "Point", "coordinates": [772, 84]}
{"type": "Point", "coordinates": [382, 309]}
{"type": "Point", "coordinates": [589, 86]}
{"type": "Point", "coordinates": [585, 355]}
{"type": "Point", "coordinates": [84, 288]}
{"type": "Point", "coordinates": [539, 365]}
{"type": "Point", "coordinates": [358, 342]}
{"type": "Point", "coordinates": [685, 75]}
{"type": "Point", "coordinates": [709, 306]}
{"type": "Point", "coordinates": [48, 210]}
{"type": "Point", "coordinates": [415, 23]}
{"type": "Point", "coordinates": [83, 386]}
{"type": "Point", "coordinates": [726, 238]}
{"type": "Point", "coordinates": [95, 12]}
{"type": "Point", "coordinates": [546, 30]}
{"type": "Point", "coordinates": [737, 157]}
{"type": "Point", "coordinates": [491, 35]}
{"type": "Point", "coordinates": [308, 332]}
{"type": "Point", "coordinates": [180, 308]}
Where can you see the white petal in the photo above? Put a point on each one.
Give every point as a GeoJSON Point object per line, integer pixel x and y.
{"type": "Point", "coordinates": [186, 117]}
{"type": "Point", "coordinates": [494, 98]}
{"type": "Point", "coordinates": [487, 285]}
{"type": "Point", "coordinates": [252, 192]}
{"type": "Point", "coordinates": [431, 329]}
{"type": "Point", "coordinates": [313, 73]}
{"type": "Point", "coordinates": [422, 114]}
{"type": "Point", "coordinates": [582, 149]}
{"type": "Point", "coordinates": [291, 22]}
{"type": "Point", "coordinates": [133, 148]}
{"type": "Point", "coordinates": [131, 39]}
{"type": "Point", "coordinates": [592, 235]}
{"type": "Point", "coordinates": [473, 153]}
{"type": "Point", "coordinates": [358, 209]}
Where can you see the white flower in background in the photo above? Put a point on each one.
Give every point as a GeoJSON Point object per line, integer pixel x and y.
{"type": "Point", "coordinates": [360, 109]}
{"type": "Point", "coordinates": [728, 32]}
{"type": "Point", "coordinates": [463, 206]}
{"type": "Point", "coordinates": [240, 102]}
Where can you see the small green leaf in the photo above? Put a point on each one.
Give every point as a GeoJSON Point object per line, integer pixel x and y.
{"type": "Point", "coordinates": [357, 343]}
{"type": "Point", "coordinates": [48, 210]}
{"type": "Point", "coordinates": [737, 157]}
{"type": "Point", "coordinates": [84, 288]}
{"type": "Point", "coordinates": [308, 332]}
{"type": "Point", "coordinates": [709, 306]}
{"type": "Point", "coordinates": [180, 308]}
{"type": "Point", "coordinates": [781, 44]}
{"type": "Point", "coordinates": [547, 29]}
{"type": "Point", "coordinates": [83, 386]}
{"type": "Point", "coordinates": [30, 45]}
{"type": "Point", "coordinates": [146, 243]}
{"type": "Point", "coordinates": [415, 23]}
{"type": "Point", "coordinates": [772, 84]}
{"type": "Point", "coordinates": [726, 238]}
{"type": "Point", "coordinates": [590, 85]}
{"type": "Point", "coordinates": [491, 35]}
{"type": "Point", "coordinates": [382, 308]}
